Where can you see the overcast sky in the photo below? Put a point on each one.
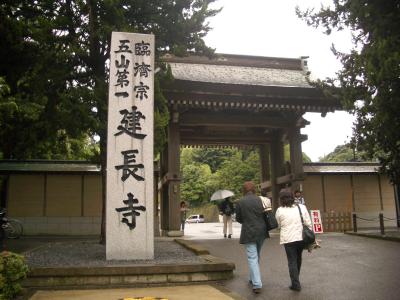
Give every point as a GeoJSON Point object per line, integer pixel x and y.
{"type": "Point", "coordinates": [271, 28]}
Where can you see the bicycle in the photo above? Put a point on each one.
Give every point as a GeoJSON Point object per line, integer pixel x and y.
{"type": "Point", "coordinates": [12, 228]}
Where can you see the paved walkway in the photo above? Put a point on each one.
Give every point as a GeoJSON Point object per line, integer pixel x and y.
{"type": "Point", "coordinates": [205, 292]}
{"type": "Point", "coordinates": [390, 234]}
{"type": "Point", "coordinates": [346, 267]}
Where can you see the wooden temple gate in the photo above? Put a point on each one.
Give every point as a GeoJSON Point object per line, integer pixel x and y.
{"type": "Point", "coordinates": [237, 100]}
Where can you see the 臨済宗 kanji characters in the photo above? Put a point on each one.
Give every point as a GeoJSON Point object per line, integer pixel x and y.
{"type": "Point", "coordinates": [132, 63]}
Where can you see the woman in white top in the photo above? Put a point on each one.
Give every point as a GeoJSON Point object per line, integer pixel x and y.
{"type": "Point", "coordinates": [289, 221]}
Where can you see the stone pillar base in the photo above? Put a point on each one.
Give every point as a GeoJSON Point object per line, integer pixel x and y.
{"type": "Point", "coordinates": [174, 233]}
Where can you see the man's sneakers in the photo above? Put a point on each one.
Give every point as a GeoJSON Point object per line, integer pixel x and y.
{"type": "Point", "coordinates": [255, 290]}
{"type": "Point", "coordinates": [229, 236]}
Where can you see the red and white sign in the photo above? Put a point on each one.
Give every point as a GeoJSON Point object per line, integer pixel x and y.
{"type": "Point", "coordinates": [316, 221]}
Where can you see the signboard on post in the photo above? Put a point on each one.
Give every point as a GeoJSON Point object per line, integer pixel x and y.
{"type": "Point", "coordinates": [129, 204]}
{"type": "Point", "coordinates": [316, 221]}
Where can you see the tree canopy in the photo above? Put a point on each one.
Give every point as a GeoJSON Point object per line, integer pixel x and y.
{"type": "Point", "coordinates": [205, 170]}
{"type": "Point", "coordinates": [370, 78]}
{"type": "Point", "coordinates": [345, 153]}
{"type": "Point", "coordinates": [55, 77]}
{"type": "Point", "coordinates": [234, 167]}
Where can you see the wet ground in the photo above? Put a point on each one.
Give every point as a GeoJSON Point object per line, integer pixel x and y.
{"type": "Point", "coordinates": [346, 267]}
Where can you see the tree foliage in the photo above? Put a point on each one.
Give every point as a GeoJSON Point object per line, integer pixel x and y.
{"type": "Point", "coordinates": [205, 170]}
{"type": "Point", "coordinates": [234, 167]}
{"type": "Point", "coordinates": [212, 156]}
{"type": "Point", "coordinates": [56, 66]}
{"type": "Point", "coordinates": [237, 169]}
{"type": "Point", "coordinates": [370, 78]}
{"type": "Point", "coordinates": [286, 154]}
{"type": "Point", "coordinates": [198, 183]}
{"type": "Point", "coordinates": [344, 153]}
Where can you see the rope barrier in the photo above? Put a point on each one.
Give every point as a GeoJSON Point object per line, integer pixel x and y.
{"type": "Point", "coordinates": [394, 219]}
{"type": "Point", "coordinates": [381, 219]}
{"type": "Point", "coordinates": [369, 220]}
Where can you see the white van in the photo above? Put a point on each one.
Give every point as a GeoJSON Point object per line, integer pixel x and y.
{"type": "Point", "coordinates": [195, 219]}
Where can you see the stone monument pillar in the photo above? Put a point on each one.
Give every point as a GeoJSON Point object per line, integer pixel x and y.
{"type": "Point", "coordinates": [130, 189]}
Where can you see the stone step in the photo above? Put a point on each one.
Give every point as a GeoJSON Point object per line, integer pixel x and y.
{"type": "Point", "coordinates": [213, 269]}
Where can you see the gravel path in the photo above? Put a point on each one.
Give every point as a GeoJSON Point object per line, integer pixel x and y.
{"type": "Point", "coordinates": [89, 253]}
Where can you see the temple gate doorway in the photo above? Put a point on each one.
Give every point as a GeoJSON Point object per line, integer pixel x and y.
{"type": "Point", "coordinates": [237, 100]}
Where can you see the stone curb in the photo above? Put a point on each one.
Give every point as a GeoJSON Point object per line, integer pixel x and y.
{"type": "Point", "coordinates": [375, 236]}
{"type": "Point", "coordinates": [212, 265]}
{"type": "Point", "coordinates": [197, 249]}
{"type": "Point", "coordinates": [213, 269]}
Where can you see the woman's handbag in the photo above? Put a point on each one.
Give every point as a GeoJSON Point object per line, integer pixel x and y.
{"type": "Point", "coordinates": [308, 234]}
{"type": "Point", "coordinates": [269, 216]}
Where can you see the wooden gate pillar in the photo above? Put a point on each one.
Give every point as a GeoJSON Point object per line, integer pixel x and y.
{"type": "Point", "coordinates": [163, 190]}
{"type": "Point", "coordinates": [277, 166]}
{"type": "Point", "coordinates": [173, 178]}
{"type": "Point", "coordinates": [265, 166]}
{"type": "Point", "coordinates": [296, 158]}
{"type": "Point", "coordinates": [156, 200]}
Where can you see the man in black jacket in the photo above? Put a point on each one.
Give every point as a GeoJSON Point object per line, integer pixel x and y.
{"type": "Point", "coordinates": [249, 212]}
{"type": "Point", "coordinates": [226, 210]}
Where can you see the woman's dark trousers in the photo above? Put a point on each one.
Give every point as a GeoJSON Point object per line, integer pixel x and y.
{"type": "Point", "coordinates": [293, 253]}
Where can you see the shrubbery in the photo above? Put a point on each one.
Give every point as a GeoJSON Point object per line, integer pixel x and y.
{"type": "Point", "coordinates": [12, 270]}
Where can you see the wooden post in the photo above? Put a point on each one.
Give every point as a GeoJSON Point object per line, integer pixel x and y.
{"type": "Point", "coordinates": [276, 159]}
{"type": "Point", "coordinates": [173, 178]}
{"type": "Point", "coordinates": [353, 201]}
{"type": "Point", "coordinates": [264, 163]}
{"type": "Point", "coordinates": [354, 222]}
{"type": "Point", "coordinates": [156, 200]}
{"type": "Point", "coordinates": [381, 224]}
{"type": "Point", "coordinates": [164, 200]}
{"type": "Point", "coordinates": [296, 158]}
{"type": "Point", "coordinates": [380, 192]}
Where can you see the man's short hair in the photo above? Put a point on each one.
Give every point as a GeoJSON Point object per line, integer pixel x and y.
{"type": "Point", "coordinates": [249, 186]}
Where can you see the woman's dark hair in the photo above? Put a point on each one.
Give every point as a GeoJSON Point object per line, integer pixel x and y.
{"type": "Point", "coordinates": [286, 199]}
{"type": "Point", "coordinates": [183, 203]}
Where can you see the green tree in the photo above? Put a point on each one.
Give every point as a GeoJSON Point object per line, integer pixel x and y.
{"type": "Point", "coordinates": [56, 64]}
{"type": "Point", "coordinates": [238, 169]}
{"type": "Point", "coordinates": [369, 80]}
{"type": "Point", "coordinates": [286, 154]}
{"type": "Point", "coordinates": [234, 168]}
{"type": "Point", "coordinates": [213, 157]}
{"type": "Point", "coordinates": [344, 153]}
{"type": "Point", "coordinates": [229, 169]}
{"type": "Point", "coordinates": [197, 183]}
